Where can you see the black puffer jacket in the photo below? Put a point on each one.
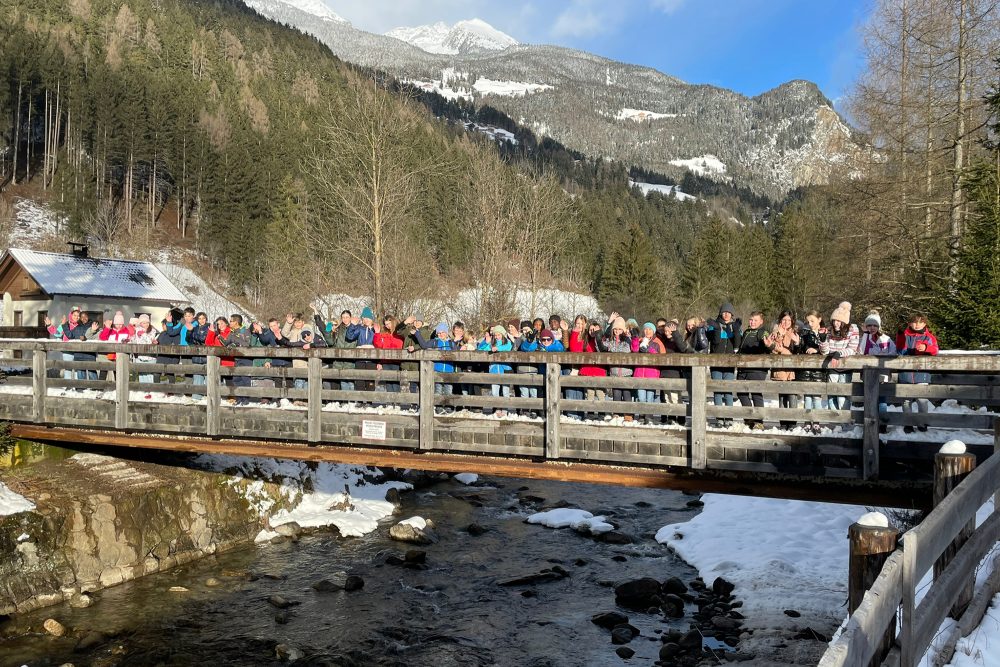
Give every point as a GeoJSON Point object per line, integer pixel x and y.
{"type": "Point", "coordinates": [811, 339]}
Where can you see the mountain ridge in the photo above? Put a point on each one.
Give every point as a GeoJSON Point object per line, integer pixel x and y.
{"type": "Point", "coordinates": [464, 37]}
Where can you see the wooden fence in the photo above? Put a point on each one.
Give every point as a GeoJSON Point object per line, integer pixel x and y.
{"type": "Point", "coordinates": [947, 540]}
{"type": "Point", "coordinates": [543, 408]}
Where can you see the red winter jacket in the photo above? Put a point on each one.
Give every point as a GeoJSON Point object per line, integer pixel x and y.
{"type": "Point", "coordinates": [585, 345]}
{"type": "Point", "coordinates": [906, 342]}
{"type": "Point", "coordinates": [214, 340]}
{"type": "Point", "coordinates": [388, 341]}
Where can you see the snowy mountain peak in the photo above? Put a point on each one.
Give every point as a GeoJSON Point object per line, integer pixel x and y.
{"type": "Point", "coordinates": [471, 36]}
{"type": "Point", "coordinates": [317, 8]}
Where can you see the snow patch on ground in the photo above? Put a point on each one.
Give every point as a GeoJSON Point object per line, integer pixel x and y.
{"type": "Point", "coordinates": [495, 133]}
{"type": "Point", "coordinates": [12, 503]}
{"type": "Point", "coordinates": [781, 554]}
{"type": "Point", "coordinates": [485, 86]}
{"type": "Point", "coordinates": [466, 477]}
{"type": "Point", "coordinates": [641, 115]}
{"type": "Point", "coordinates": [982, 647]}
{"type": "Point", "coordinates": [452, 88]}
{"type": "Point", "coordinates": [665, 190]}
{"type": "Point", "coordinates": [34, 221]}
{"type": "Point", "coordinates": [705, 165]}
{"type": "Point", "coordinates": [324, 495]}
{"type": "Point", "coordinates": [201, 295]}
{"type": "Point", "coordinates": [565, 517]}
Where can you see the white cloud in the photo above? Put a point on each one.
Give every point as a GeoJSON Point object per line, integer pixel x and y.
{"type": "Point", "coordinates": [588, 18]}
{"type": "Point", "coordinates": [667, 6]}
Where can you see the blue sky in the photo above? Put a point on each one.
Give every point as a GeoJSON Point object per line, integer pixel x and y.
{"type": "Point", "coordinates": [747, 45]}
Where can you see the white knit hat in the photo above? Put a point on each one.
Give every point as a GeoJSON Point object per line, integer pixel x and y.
{"type": "Point", "coordinates": [842, 313]}
{"type": "Point", "coordinates": [874, 318]}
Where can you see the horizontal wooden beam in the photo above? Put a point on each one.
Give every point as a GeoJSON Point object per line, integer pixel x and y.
{"type": "Point", "coordinates": [774, 486]}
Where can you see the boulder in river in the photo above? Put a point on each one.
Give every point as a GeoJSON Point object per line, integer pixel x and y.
{"type": "Point", "coordinates": [90, 640]}
{"type": "Point", "coordinates": [354, 583]}
{"type": "Point", "coordinates": [609, 619]}
{"type": "Point", "coordinates": [415, 557]}
{"type": "Point", "coordinates": [622, 634]}
{"type": "Point", "coordinates": [476, 530]}
{"type": "Point", "coordinates": [639, 594]}
{"type": "Point", "coordinates": [80, 601]}
{"type": "Point", "coordinates": [624, 652]}
{"type": "Point", "coordinates": [549, 574]}
{"type": "Point", "coordinates": [721, 587]}
{"type": "Point", "coordinates": [288, 653]}
{"type": "Point", "coordinates": [54, 627]}
{"type": "Point", "coordinates": [675, 586]}
{"type": "Point", "coordinates": [415, 529]}
{"type": "Point", "coordinates": [336, 582]}
{"type": "Point", "coordinates": [673, 606]}
{"type": "Point", "coordinates": [281, 602]}
{"type": "Point", "coordinates": [290, 529]}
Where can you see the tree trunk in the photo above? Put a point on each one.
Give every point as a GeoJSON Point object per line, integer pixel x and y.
{"type": "Point", "coordinates": [955, 236]}
{"type": "Point", "coordinates": [17, 130]}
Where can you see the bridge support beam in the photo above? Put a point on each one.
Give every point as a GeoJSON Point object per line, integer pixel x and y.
{"type": "Point", "coordinates": [871, 546]}
{"type": "Point", "coordinates": [871, 445]}
{"type": "Point", "coordinates": [39, 386]}
{"type": "Point", "coordinates": [213, 397]}
{"type": "Point", "coordinates": [553, 413]}
{"type": "Point", "coordinates": [949, 471]}
{"type": "Point", "coordinates": [697, 384]}
{"type": "Point", "coordinates": [121, 390]}
{"type": "Point", "coordinates": [315, 404]}
{"type": "Point", "coordinates": [426, 404]}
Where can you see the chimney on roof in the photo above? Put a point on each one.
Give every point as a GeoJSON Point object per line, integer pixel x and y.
{"type": "Point", "coordinates": [79, 249]}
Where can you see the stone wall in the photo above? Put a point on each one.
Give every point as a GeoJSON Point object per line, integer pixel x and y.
{"type": "Point", "coordinates": [101, 521]}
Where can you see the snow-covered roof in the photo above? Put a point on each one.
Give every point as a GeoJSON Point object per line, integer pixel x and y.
{"type": "Point", "coordinates": [58, 273]}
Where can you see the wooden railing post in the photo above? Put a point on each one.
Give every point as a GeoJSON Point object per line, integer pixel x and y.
{"type": "Point", "coordinates": [121, 390]}
{"type": "Point", "coordinates": [39, 385]}
{"type": "Point", "coordinates": [950, 468]}
{"type": "Point", "coordinates": [426, 404]}
{"type": "Point", "coordinates": [907, 651]}
{"type": "Point", "coordinates": [553, 413]}
{"type": "Point", "coordinates": [697, 384]}
{"type": "Point", "coordinates": [315, 397]}
{"type": "Point", "coordinates": [870, 444]}
{"type": "Point", "coordinates": [872, 541]}
{"type": "Point", "coordinates": [213, 397]}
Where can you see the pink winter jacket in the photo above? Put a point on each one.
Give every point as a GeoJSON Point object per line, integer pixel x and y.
{"type": "Point", "coordinates": [655, 347]}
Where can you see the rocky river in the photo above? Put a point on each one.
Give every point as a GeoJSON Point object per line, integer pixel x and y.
{"type": "Point", "coordinates": [490, 589]}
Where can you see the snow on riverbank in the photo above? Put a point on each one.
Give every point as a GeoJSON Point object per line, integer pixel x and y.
{"type": "Point", "coordinates": [982, 647]}
{"type": "Point", "coordinates": [325, 494]}
{"type": "Point", "coordinates": [579, 520]}
{"type": "Point", "coordinates": [781, 554]}
{"type": "Point", "coordinates": [12, 503]}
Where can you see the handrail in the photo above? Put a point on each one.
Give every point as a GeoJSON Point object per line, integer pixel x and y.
{"type": "Point", "coordinates": [901, 573]}
{"type": "Point", "coordinates": [956, 363]}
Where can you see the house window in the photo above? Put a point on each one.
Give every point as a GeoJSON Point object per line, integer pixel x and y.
{"type": "Point", "coordinates": [42, 314]}
{"type": "Point", "coordinates": [18, 318]}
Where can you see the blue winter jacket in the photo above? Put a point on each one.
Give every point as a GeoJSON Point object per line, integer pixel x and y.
{"type": "Point", "coordinates": [446, 345]}
{"type": "Point", "coordinates": [502, 346]}
{"type": "Point", "coordinates": [361, 334]}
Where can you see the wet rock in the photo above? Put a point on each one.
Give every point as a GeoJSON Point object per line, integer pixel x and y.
{"type": "Point", "coordinates": [722, 587]}
{"type": "Point", "coordinates": [554, 573]}
{"type": "Point", "coordinates": [282, 617]}
{"type": "Point", "coordinates": [672, 636]}
{"type": "Point", "coordinates": [288, 653]}
{"type": "Point", "coordinates": [792, 613]}
{"type": "Point", "coordinates": [737, 615]}
{"type": "Point", "coordinates": [336, 582]}
{"type": "Point", "coordinates": [669, 651]}
{"type": "Point", "coordinates": [695, 503]}
{"type": "Point", "coordinates": [673, 606]}
{"type": "Point", "coordinates": [290, 529]}
{"type": "Point", "coordinates": [395, 560]}
{"type": "Point", "coordinates": [609, 619]}
{"type": "Point", "coordinates": [529, 594]}
{"type": "Point", "coordinates": [725, 623]}
{"type": "Point", "coordinates": [415, 557]}
{"type": "Point", "coordinates": [54, 627]}
{"type": "Point", "coordinates": [619, 558]}
{"type": "Point", "coordinates": [80, 601]}
{"type": "Point", "coordinates": [281, 602]}
{"type": "Point", "coordinates": [622, 634]}
{"type": "Point", "coordinates": [532, 499]}
{"type": "Point", "coordinates": [580, 562]}
{"type": "Point", "coordinates": [674, 586]}
{"type": "Point", "coordinates": [354, 583]}
{"type": "Point", "coordinates": [643, 504]}
{"type": "Point", "coordinates": [415, 530]}
{"type": "Point", "coordinates": [272, 576]}
{"type": "Point", "coordinates": [392, 496]}
{"type": "Point", "coordinates": [624, 652]}
{"type": "Point", "coordinates": [212, 582]}
{"type": "Point", "coordinates": [177, 589]}
{"type": "Point", "coordinates": [698, 584]}
{"type": "Point", "coordinates": [476, 530]}
{"type": "Point", "coordinates": [690, 640]}
{"type": "Point", "coordinates": [736, 656]}
{"type": "Point", "coordinates": [90, 640]}
{"type": "Point", "coordinates": [639, 594]}
{"type": "Point", "coordinates": [614, 537]}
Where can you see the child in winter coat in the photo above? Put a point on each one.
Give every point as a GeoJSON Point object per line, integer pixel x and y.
{"type": "Point", "coordinates": [618, 339]}
{"type": "Point", "coordinates": [811, 340]}
{"type": "Point", "coordinates": [755, 340]}
{"type": "Point", "coordinates": [785, 340]}
{"type": "Point", "coordinates": [841, 341]}
{"type": "Point", "coordinates": [916, 340]}
{"type": "Point", "coordinates": [441, 342]}
{"type": "Point", "coordinates": [875, 343]}
{"type": "Point", "coordinates": [649, 343]}
{"type": "Point", "coordinates": [497, 340]}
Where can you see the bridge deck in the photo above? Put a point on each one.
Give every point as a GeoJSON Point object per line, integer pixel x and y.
{"type": "Point", "coordinates": [566, 437]}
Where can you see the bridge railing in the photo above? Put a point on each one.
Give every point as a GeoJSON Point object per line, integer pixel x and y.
{"type": "Point", "coordinates": [947, 540]}
{"type": "Point", "coordinates": [545, 405]}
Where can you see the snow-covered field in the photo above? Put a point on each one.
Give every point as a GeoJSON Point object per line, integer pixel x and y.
{"type": "Point", "coordinates": [33, 222]}
{"type": "Point", "coordinates": [641, 115]}
{"type": "Point", "coordinates": [665, 190]}
{"type": "Point", "coordinates": [453, 90]}
{"type": "Point", "coordinates": [12, 503]}
{"type": "Point", "coordinates": [351, 498]}
{"type": "Point", "coordinates": [485, 86]}
{"type": "Point", "coordinates": [705, 165]}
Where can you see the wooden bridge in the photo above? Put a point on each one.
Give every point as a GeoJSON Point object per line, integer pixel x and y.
{"type": "Point", "coordinates": [849, 460]}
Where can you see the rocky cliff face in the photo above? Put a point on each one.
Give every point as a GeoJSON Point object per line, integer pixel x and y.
{"type": "Point", "coordinates": [100, 521]}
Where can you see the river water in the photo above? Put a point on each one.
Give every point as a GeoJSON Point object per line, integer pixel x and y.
{"type": "Point", "coordinates": [451, 612]}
